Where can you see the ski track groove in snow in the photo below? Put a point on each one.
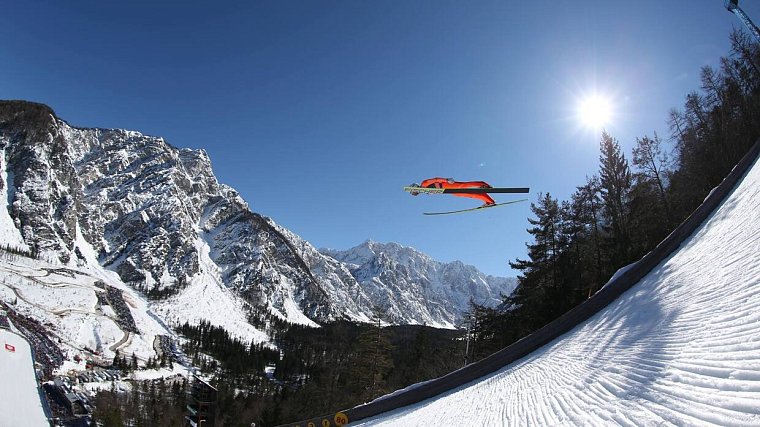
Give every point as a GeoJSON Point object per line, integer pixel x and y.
{"type": "Point", "coordinates": [682, 347]}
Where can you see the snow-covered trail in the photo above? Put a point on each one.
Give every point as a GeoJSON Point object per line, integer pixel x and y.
{"type": "Point", "coordinates": [682, 347]}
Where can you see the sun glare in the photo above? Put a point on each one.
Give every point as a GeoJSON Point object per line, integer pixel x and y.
{"type": "Point", "coordinates": [595, 111]}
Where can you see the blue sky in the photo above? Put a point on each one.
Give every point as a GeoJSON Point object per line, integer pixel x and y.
{"type": "Point", "coordinates": [319, 112]}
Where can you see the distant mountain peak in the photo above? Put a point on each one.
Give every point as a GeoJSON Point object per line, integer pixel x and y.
{"type": "Point", "coordinates": [405, 281]}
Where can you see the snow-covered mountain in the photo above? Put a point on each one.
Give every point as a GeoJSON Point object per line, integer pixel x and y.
{"type": "Point", "coordinates": [155, 215]}
{"type": "Point", "coordinates": [120, 201]}
{"type": "Point", "coordinates": [407, 283]}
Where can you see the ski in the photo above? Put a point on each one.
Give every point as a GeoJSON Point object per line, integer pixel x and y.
{"type": "Point", "coordinates": [474, 209]}
{"type": "Point", "coordinates": [467, 190]}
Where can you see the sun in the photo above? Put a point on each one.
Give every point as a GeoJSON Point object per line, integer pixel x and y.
{"type": "Point", "coordinates": [595, 111]}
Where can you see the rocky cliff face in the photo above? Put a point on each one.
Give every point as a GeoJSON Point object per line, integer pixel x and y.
{"type": "Point", "coordinates": [157, 216]}
{"type": "Point", "coordinates": [150, 211]}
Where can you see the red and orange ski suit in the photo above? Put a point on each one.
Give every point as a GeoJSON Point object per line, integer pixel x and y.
{"type": "Point", "coordinates": [447, 183]}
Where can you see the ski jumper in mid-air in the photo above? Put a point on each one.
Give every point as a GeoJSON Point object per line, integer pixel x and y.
{"type": "Point", "coordinates": [472, 189]}
{"type": "Point", "coordinates": [450, 183]}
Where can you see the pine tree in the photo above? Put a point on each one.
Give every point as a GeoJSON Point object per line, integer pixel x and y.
{"type": "Point", "coordinates": [616, 181]}
{"type": "Point", "coordinates": [540, 276]}
{"type": "Point", "coordinates": [117, 360]}
{"type": "Point", "coordinates": [373, 359]}
{"type": "Point", "coordinates": [586, 208]}
{"type": "Point", "coordinates": [544, 251]}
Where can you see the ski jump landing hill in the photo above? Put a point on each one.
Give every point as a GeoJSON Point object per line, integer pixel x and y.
{"type": "Point", "coordinates": [22, 404]}
{"type": "Point", "coordinates": [672, 340]}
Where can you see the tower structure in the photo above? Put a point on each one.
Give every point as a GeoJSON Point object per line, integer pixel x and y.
{"type": "Point", "coordinates": [733, 7]}
{"type": "Point", "coordinates": [201, 404]}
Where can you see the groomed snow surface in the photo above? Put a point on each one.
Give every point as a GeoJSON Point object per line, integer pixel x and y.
{"type": "Point", "coordinates": [19, 383]}
{"type": "Point", "coordinates": [682, 347]}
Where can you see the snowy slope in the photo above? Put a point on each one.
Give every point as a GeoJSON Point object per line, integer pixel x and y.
{"type": "Point", "coordinates": [66, 301]}
{"type": "Point", "coordinates": [21, 402]}
{"type": "Point", "coordinates": [682, 347]}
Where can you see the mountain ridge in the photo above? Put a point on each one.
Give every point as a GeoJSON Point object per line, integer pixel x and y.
{"type": "Point", "coordinates": [447, 287]}
{"type": "Point", "coordinates": [157, 216]}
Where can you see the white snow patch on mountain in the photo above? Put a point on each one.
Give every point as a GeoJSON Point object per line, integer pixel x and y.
{"type": "Point", "coordinates": [290, 310]}
{"type": "Point", "coordinates": [9, 234]}
{"type": "Point", "coordinates": [206, 298]}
